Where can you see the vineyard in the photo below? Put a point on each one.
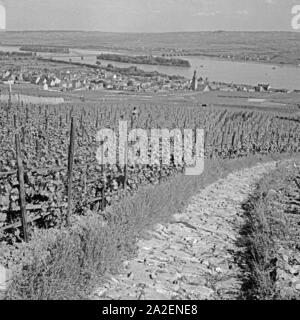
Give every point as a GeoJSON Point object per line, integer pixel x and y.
{"type": "Point", "coordinates": [48, 165]}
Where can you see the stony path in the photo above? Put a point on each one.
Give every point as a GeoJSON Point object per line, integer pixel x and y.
{"type": "Point", "coordinates": [192, 257]}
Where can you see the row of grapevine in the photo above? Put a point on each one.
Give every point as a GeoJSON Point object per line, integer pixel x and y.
{"type": "Point", "coordinates": [45, 136]}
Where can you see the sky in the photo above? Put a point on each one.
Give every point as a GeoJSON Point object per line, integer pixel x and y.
{"type": "Point", "coordinates": [149, 15]}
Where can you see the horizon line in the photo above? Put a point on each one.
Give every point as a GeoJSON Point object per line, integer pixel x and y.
{"type": "Point", "coordinates": [152, 32]}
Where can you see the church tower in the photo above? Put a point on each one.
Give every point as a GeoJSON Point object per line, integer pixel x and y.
{"type": "Point", "coordinates": [195, 81]}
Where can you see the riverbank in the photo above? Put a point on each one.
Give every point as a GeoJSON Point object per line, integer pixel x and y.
{"type": "Point", "coordinates": [216, 69]}
{"type": "Point", "coordinates": [51, 49]}
{"type": "Point", "coordinates": [240, 60]}
{"type": "Point", "coordinates": [131, 70]}
{"type": "Point", "coordinates": [151, 60]}
{"type": "Point", "coordinates": [167, 82]}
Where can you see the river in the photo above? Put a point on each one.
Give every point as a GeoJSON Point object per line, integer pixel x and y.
{"type": "Point", "coordinates": [280, 77]}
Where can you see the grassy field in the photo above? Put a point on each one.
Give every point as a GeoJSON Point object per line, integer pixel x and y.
{"type": "Point", "coordinates": [272, 236]}
{"type": "Point", "coordinates": [281, 47]}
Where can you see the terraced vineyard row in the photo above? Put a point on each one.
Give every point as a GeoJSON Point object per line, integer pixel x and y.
{"type": "Point", "coordinates": [45, 132]}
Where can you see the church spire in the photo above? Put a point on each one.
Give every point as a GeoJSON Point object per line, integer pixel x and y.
{"type": "Point", "coordinates": [195, 81]}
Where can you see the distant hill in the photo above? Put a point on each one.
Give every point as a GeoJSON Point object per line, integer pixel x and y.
{"type": "Point", "coordinates": [283, 47]}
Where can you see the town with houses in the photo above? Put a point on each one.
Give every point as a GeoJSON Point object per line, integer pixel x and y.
{"type": "Point", "coordinates": [90, 79]}
{"type": "Point", "coordinates": [62, 79]}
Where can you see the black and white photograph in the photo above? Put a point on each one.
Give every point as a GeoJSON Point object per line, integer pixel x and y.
{"type": "Point", "coordinates": [149, 151]}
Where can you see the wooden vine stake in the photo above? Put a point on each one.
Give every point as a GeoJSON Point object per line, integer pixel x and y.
{"type": "Point", "coordinates": [37, 147]}
{"type": "Point", "coordinates": [27, 115]}
{"type": "Point", "coordinates": [70, 169]}
{"type": "Point", "coordinates": [125, 167]}
{"type": "Point", "coordinates": [160, 163]}
{"type": "Point", "coordinates": [84, 184]}
{"type": "Point", "coordinates": [97, 119]}
{"type": "Point", "coordinates": [7, 114]}
{"type": "Point", "coordinates": [81, 120]}
{"type": "Point", "coordinates": [21, 187]}
{"type": "Point", "coordinates": [15, 121]}
{"type": "Point", "coordinates": [46, 119]}
{"type": "Point", "coordinates": [9, 99]}
{"type": "Point", "coordinates": [103, 179]}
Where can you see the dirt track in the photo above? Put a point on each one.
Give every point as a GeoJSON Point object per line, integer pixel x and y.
{"type": "Point", "coordinates": [194, 256]}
